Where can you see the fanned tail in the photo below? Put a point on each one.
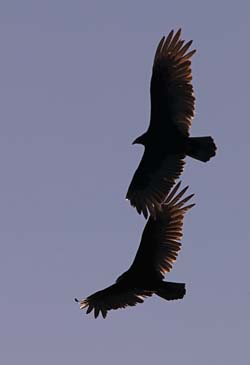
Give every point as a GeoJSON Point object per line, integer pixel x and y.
{"type": "Point", "coordinates": [171, 291]}
{"type": "Point", "coordinates": [201, 148]}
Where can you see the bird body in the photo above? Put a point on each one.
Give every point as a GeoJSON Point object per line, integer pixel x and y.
{"type": "Point", "coordinates": [172, 141]}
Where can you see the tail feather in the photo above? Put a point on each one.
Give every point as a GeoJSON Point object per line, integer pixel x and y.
{"type": "Point", "coordinates": [171, 291]}
{"type": "Point", "coordinates": [201, 148]}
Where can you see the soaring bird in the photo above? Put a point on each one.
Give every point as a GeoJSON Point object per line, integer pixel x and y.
{"type": "Point", "coordinates": [159, 247]}
{"type": "Point", "coordinates": [167, 140]}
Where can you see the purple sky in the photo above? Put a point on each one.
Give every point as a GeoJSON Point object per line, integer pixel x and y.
{"type": "Point", "coordinates": [74, 93]}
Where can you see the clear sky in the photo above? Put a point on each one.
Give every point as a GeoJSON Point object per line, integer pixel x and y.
{"type": "Point", "coordinates": [74, 94]}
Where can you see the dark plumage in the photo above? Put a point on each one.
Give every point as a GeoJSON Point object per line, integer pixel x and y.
{"type": "Point", "coordinates": [158, 250]}
{"type": "Point", "coordinates": [167, 140]}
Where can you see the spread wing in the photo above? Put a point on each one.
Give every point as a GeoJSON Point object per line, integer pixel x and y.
{"type": "Point", "coordinates": [172, 108]}
{"type": "Point", "coordinates": [113, 297]}
{"type": "Point", "coordinates": [153, 179]}
{"type": "Point", "coordinates": [158, 250]}
{"type": "Point", "coordinates": [161, 237]}
{"type": "Point", "coordinates": [172, 99]}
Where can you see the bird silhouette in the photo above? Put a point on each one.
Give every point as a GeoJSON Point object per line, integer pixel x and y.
{"type": "Point", "coordinates": [167, 140]}
{"type": "Point", "coordinates": [159, 247]}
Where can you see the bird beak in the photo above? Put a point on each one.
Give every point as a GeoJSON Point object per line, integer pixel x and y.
{"type": "Point", "coordinates": [136, 141]}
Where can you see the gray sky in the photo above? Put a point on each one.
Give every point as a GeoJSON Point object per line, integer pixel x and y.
{"type": "Point", "coordinates": [74, 93]}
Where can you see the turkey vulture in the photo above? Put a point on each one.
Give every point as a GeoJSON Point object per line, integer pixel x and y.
{"type": "Point", "coordinates": [167, 140]}
{"type": "Point", "coordinates": [158, 250]}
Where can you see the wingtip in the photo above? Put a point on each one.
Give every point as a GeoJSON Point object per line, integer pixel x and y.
{"type": "Point", "coordinates": [184, 189]}
{"type": "Point", "coordinates": [190, 206]}
{"type": "Point", "coordinates": [178, 32]}
{"type": "Point", "coordinates": [145, 213]}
